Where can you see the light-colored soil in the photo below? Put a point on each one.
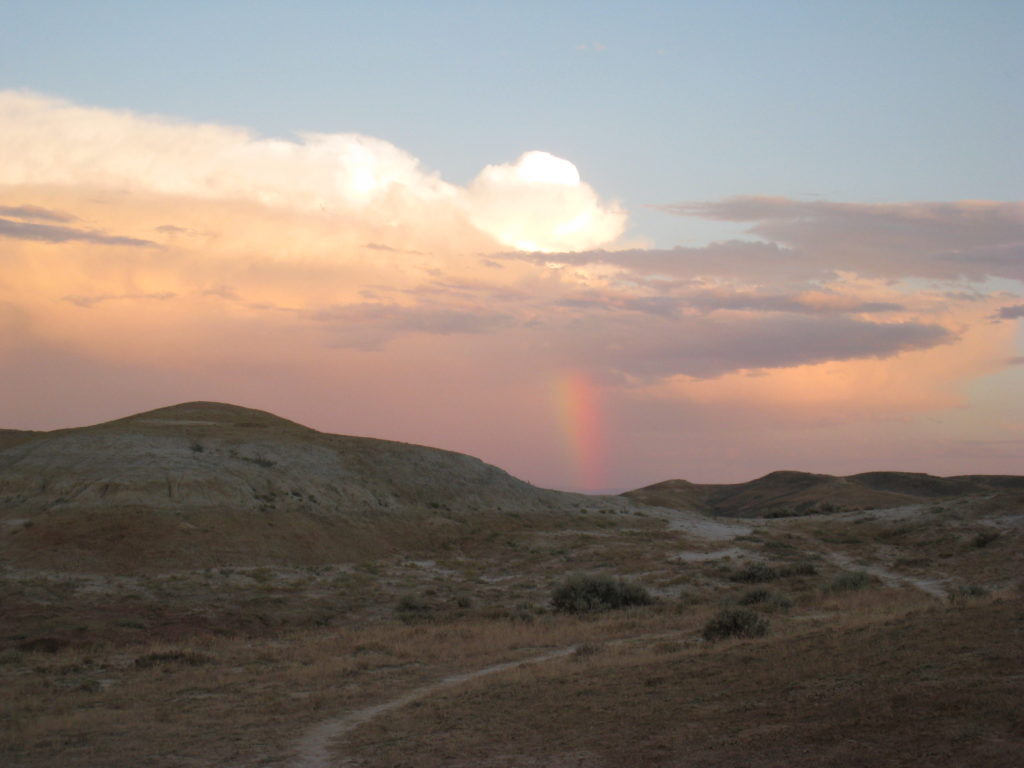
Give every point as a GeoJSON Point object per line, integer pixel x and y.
{"type": "Point", "coordinates": [937, 587]}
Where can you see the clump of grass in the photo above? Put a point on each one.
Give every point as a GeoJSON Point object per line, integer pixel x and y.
{"type": "Point", "coordinates": [735, 622]}
{"type": "Point", "coordinates": [43, 645]}
{"type": "Point", "coordinates": [766, 599]}
{"type": "Point", "coordinates": [262, 575]}
{"type": "Point", "coordinates": [755, 574]}
{"type": "Point", "coordinates": [584, 650]}
{"type": "Point", "coordinates": [585, 593]}
{"type": "Point", "coordinates": [850, 581]}
{"type": "Point", "coordinates": [966, 592]}
{"type": "Point", "coordinates": [754, 597]}
{"type": "Point", "coordinates": [412, 603]}
{"type": "Point", "coordinates": [984, 538]}
{"type": "Point", "coordinates": [411, 606]}
{"type": "Point", "coordinates": [801, 569]}
{"type": "Point", "coordinates": [189, 658]}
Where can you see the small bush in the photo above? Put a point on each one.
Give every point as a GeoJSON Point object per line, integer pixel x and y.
{"type": "Point", "coordinates": [189, 658]}
{"type": "Point", "coordinates": [735, 622]}
{"type": "Point", "coordinates": [850, 581]}
{"type": "Point", "coordinates": [262, 575]}
{"type": "Point", "coordinates": [755, 596]}
{"type": "Point", "coordinates": [43, 645]}
{"type": "Point", "coordinates": [584, 594]}
{"type": "Point", "coordinates": [967, 591]}
{"type": "Point", "coordinates": [984, 538]}
{"type": "Point", "coordinates": [801, 569]}
{"type": "Point", "coordinates": [584, 650]}
{"type": "Point", "coordinates": [755, 574]}
{"type": "Point", "coordinates": [411, 604]}
{"type": "Point", "coordinates": [769, 601]}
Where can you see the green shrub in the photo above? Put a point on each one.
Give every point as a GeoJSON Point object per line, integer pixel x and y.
{"type": "Point", "coordinates": [583, 594]}
{"type": "Point", "coordinates": [735, 622]}
{"type": "Point", "coordinates": [849, 581]}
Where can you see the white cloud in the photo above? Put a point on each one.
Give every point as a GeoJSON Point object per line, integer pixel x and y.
{"type": "Point", "coordinates": [536, 203]}
{"type": "Point", "coordinates": [539, 203]}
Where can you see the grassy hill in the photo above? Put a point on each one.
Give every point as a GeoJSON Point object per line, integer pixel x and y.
{"type": "Point", "coordinates": [209, 484]}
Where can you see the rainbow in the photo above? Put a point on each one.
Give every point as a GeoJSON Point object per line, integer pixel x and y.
{"type": "Point", "coordinates": [577, 401]}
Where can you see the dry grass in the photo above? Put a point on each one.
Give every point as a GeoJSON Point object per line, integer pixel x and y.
{"type": "Point", "coordinates": [940, 686]}
{"type": "Point", "coordinates": [237, 662]}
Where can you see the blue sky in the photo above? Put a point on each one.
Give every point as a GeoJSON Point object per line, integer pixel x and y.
{"type": "Point", "coordinates": [654, 102]}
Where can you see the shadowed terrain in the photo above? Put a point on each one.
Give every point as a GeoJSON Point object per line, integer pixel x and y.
{"type": "Point", "coordinates": [208, 484]}
{"type": "Point", "coordinates": [212, 585]}
{"type": "Point", "coordinates": [786, 493]}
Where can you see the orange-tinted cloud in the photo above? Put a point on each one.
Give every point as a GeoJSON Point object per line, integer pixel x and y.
{"type": "Point", "coordinates": [334, 281]}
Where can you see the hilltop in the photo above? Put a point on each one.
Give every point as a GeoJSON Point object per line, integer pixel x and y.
{"type": "Point", "coordinates": [787, 493]}
{"type": "Point", "coordinates": [210, 484]}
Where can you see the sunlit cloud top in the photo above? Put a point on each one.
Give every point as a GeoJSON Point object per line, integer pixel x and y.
{"type": "Point", "coordinates": [537, 203]}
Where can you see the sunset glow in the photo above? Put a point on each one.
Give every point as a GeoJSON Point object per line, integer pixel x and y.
{"type": "Point", "coordinates": [713, 287]}
{"type": "Point", "coordinates": [582, 424]}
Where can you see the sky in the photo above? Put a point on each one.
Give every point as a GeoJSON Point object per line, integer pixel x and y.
{"type": "Point", "coordinates": [597, 244]}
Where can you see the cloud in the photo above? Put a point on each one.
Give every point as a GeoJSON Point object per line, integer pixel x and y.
{"type": "Point", "coordinates": [738, 260]}
{"type": "Point", "coordinates": [704, 347]}
{"type": "Point", "coordinates": [370, 325]}
{"type": "Point", "coordinates": [682, 298]}
{"type": "Point", "coordinates": [1010, 313]}
{"type": "Point", "coordinates": [289, 279]}
{"type": "Point", "coordinates": [89, 301]}
{"type": "Point", "coordinates": [389, 249]}
{"type": "Point", "coordinates": [49, 233]}
{"type": "Point", "coordinates": [34, 213]}
{"type": "Point", "coordinates": [537, 202]}
{"type": "Point", "coordinates": [809, 303]}
{"type": "Point", "coordinates": [970, 239]}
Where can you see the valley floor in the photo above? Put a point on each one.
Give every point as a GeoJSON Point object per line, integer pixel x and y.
{"type": "Point", "coordinates": [894, 638]}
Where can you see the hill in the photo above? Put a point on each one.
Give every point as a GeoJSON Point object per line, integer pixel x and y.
{"type": "Point", "coordinates": [786, 493]}
{"type": "Point", "coordinates": [208, 484]}
{"type": "Point", "coordinates": [257, 592]}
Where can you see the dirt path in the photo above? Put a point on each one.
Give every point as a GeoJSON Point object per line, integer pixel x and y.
{"type": "Point", "coordinates": [934, 587]}
{"type": "Point", "coordinates": [314, 748]}
{"type": "Point", "coordinates": [700, 525]}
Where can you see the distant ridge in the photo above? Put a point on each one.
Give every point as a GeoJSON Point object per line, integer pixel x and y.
{"type": "Point", "coordinates": [206, 484]}
{"type": "Point", "coordinates": [797, 493]}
